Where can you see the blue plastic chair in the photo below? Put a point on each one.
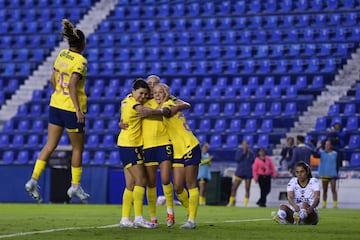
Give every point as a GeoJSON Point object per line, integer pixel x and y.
{"type": "Point", "coordinates": [229, 109]}
{"type": "Point", "coordinates": [354, 141]}
{"type": "Point", "coordinates": [334, 110]}
{"type": "Point", "coordinates": [275, 109]}
{"type": "Point", "coordinates": [321, 124]}
{"type": "Point", "coordinates": [244, 109]}
{"type": "Point", "coordinates": [114, 158]}
{"type": "Point", "coordinates": [263, 141]}
{"type": "Point", "coordinates": [266, 126]}
{"type": "Point", "coordinates": [250, 125]}
{"type": "Point", "coordinates": [8, 157]}
{"type": "Point", "coordinates": [355, 159]}
{"type": "Point", "coordinates": [232, 141]}
{"type": "Point", "coordinates": [352, 124]}
{"type": "Point", "coordinates": [290, 109]}
{"type": "Point", "coordinates": [204, 125]}
{"type": "Point", "coordinates": [349, 109]}
{"type": "Point", "coordinates": [215, 140]}
{"type": "Point", "coordinates": [214, 109]}
{"type": "Point", "coordinates": [99, 158]}
{"type": "Point", "coordinates": [235, 125]}
{"type": "Point", "coordinates": [220, 125]}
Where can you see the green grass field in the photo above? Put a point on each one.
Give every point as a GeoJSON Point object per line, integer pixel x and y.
{"type": "Point", "coordinates": [73, 221]}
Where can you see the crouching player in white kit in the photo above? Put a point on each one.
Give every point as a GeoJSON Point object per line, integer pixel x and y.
{"type": "Point", "coordinates": [303, 193]}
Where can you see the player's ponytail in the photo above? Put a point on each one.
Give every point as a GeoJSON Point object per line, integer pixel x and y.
{"type": "Point", "coordinates": [75, 37]}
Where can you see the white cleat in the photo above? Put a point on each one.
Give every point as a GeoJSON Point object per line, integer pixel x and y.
{"type": "Point", "coordinates": [126, 223]}
{"type": "Point", "coordinates": [296, 218]}
{"type": "Point", "coordinates": [188, 225]}
{"type": "Point", "coordinates": [77, 191]}
{"type": "Point", "coordinates": [143, 223]}
{"type": "Point", "coordinates": [32, 187]}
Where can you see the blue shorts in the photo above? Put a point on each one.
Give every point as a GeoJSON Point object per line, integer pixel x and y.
{"type": "Point", "coordinates": [131, 156]}
{"type": "Point", "coordinates": [193, 157]}
{"type": "Point", "coordinates": [65, 119]}
{"type": "Point", "coordinates": [156, 155]}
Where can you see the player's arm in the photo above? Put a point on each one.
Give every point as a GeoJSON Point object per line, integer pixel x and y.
{"type": "Point", "coordinates": [315, 203]}
{"type": "Point", "coordinates": [53, 81]}
{"type": "Point", "coordinates": [290, 196]}
{"type": "Point", "coordinates": [180, 105]}
{"type": "Point", "coordinates": [74, 79]}
{"type": "Point", "coordinates": [146, 111]}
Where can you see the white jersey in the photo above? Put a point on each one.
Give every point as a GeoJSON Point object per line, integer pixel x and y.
{"type": "Point", "coordinates": [303, 194]}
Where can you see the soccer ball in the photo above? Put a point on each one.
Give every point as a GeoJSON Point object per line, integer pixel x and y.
{"type": "Point", "coordinates": [161, 201]}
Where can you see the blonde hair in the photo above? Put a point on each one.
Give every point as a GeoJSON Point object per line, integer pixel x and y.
{"type": "Point", "coordinates": [166, 90]}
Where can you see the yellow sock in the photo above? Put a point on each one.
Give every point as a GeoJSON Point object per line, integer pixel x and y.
{"type": "Point", "coordinates": [231, 200]}
{"type": "Point", "coordinates": [127, 203]}
{"type": "Point", "coordinates": [151, 198]}
{"type": "Point", "coordinates": [38, 169]}
{"type": "Point", "coordinates": [76, 175]}
{"type": "Point", "coordinates": [138, 195]}
{"type": "Point", "coordinates": [324, 204]}
{"type": "Point", "coordinates": [169, 196]}
{"type": "Point", "coordinates": [246, 201]}
{"type": "Point", "coordinates": [193, 203]}
{"type": "Point", "coordinates": [184, 199]}
{"type": "Point", "coordinates": [202, 200]}
{"type": "Point", "coordinates": [335, 204]}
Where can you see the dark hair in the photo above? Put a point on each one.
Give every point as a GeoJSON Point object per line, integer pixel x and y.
{"type": "Point", "coordinates": [300, 138]}
{"type": "Point", "coordinates": [75, 37]}
{"type": "Point", "coordinates": [306, 167]}
{"type": "Point", "coordinates": [140, 83]}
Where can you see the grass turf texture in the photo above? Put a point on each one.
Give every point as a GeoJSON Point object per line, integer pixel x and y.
{"type": "Point", "coordinates": [75, 221]}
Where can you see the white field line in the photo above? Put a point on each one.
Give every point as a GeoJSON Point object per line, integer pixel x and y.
{"type": "Point", "coordinates": [110, 226]}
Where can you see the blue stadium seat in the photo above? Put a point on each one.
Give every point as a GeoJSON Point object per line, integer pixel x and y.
{"type": "Point", "coordinates": [114, 158]}
{"type": "Point", "coordinates": [316, 5]}
{"type": "Point", "coordinates": [23, 125]}
{"type": "Point", "coordinates": [232, 141]}
{"type": "Point", "coordinates": [294, 50]}
{"type": "Point", "coordinates": [33, 140]}
{"type": "Point", "coordinates": [264, 66]}
{"type": "Point", "coordinates": [312, 65]}
{"type": "Point", "coordinates": [317, 82]}
{"type": "Point", "coordinates": [290, 109]}
{"type": "Point", "coordinates": [4, 140]}
{"type": "Point", "coordinates": [334, 110]}
{"type": "Point", "coordinates": [352, 125]}
{"type": "Point", "coordinates": [8, 126]}
{"type": "Point", "coordinates": [351, 19]}
{"type": "Point", "coordinates": [112, 125]}
{"type": "Point", "coordinates": [204, 125]}
{"type": "Point", "coordinates": [108, 141]}
{"type": "Point", "coordinates": [310, 50]}
{"type": "Point", "coordinates": [303, 20]}
{"type": "Point", "coordinates": [260, 92]}
{"type": "Point", "coordinates": [94, 110]}
{"type": "Point", "coordinates": [36, 110]}
{"type": "Point", "coordinates": [8, 157]}
{"type": "Point", "coordinates": [214, 109]}
{"type": "Point", "coordinates": [235, 125]}
{"type": "Point", "coordinates": [215, 92]}
{"type": "Point", "coordinates": [209, 8]}
{"type": "Point", "coordinates": [18, 140]}
{"type": "Point", "coordinates": [22, 157]}
{"type": "Point", "coordinates": [269, 82]}
{"type": "Point", "coordinates": [272, 21]}
{"type": "Point", "coordinates": [288, 20]}
{"type": "Point", "coordinates": [302, 5]}
{"type": "Point", "coordinates": [229, 109]}
{"type": "Point", "coordinates": [275, 92]}
{"type": "Point", "coordinates": [263, 141]}
{"type": "Point", "coordinates": [275, 109]}
{"type": "Point", "coordinates": [92, 140]}
{"type": "Point", "coordinates": [266, 125]}
{"type": "Point", "coordinates": [325, 50]}
{"type": "Point", "coordinates": [230, 93]}
{"type": "Point", "coordinates": [349, 109]}
{"type": "Point", "coordinates": [270, 6]}
{"type": "Point", "coordinates": [321, 124]}
{"type": "Point", "coordinates": [220, 125]}
{"type": "Point", "coordinates": [191, 123]}
{"type": "Point", "coordinates": [244, 109]}
{"type": "Point", "coordinates": [291, 92]}
{"type": "Point", "coordinates": [355, 159]}
{"type": "Point", "coordinates": [276, 36]}
{"type": "Point", "coordinates": [198, 110]}
{"type": "Point", "coordinates": [98, 125]}
{"type": "Point", "coordinates": [202, 138]}
{"type": "Point", "coordinates": [320, 19]}
{"type": "Point", "coordinates": [260, 109]}
{"type": "Point", "coordinates": [354, 142]}
{"type": "Point", "coordinates": [281, 66]}
{"type": "Point", "coordinates": [301, 82]}
{"type": "Point", "coordinates": [250, 125]}
{"type": "Point", "coordinates": [215, 140]}
{"type": "Point", "coordinates": [99, 158]}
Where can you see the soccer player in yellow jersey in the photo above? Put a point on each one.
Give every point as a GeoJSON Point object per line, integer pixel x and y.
{"type": "Point", "coordinates": [67, 108]}
{"type": "Point", "coordinates": [158, 151]}
{"type": "Point", "coordinates": [130, 144]}
{"type": "Point", "coordinates": [187, 154]}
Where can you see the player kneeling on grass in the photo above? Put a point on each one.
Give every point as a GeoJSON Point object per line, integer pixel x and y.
{"type": "Point", "coordinates": [303, 192]}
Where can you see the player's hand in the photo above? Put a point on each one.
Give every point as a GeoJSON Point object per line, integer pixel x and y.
{"type": "Point", "coordinates": [123, 125]}
{"type": "Point", "coordinates": [80, 116]}
{"type": "Point", "coordinates": [144, 112]}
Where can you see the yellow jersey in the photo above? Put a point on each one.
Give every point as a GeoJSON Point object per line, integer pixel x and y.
{"type": "Point", "coordinates": [181, 136]}
{"type": "Point", "coordinates": [68, 62]}
{"type": "Point", "coordinates": [154, 131]}
{"type": "Point", "coordinates": [132, 136]}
